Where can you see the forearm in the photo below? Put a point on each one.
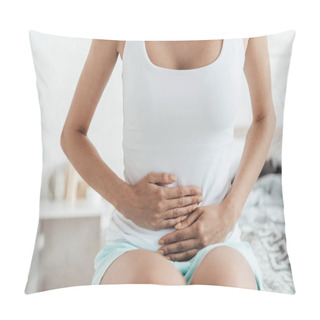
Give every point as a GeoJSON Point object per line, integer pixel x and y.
{"type": "Point", "coordinates": [88, 163]}
{"type": "Point", "coordinates": [258, 140]}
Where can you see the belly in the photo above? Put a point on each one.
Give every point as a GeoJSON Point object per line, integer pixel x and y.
{"type": "Point", "coordinates": [208, 170]}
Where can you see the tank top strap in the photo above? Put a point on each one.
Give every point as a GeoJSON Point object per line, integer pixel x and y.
{"type": "Point", "coordinates": [133, 52]}
{"type": "Point", "coordinates": [236, 50]}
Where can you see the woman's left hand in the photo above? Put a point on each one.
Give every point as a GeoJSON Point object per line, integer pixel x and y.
{"type": "Point", "coordinates": [204, 226]}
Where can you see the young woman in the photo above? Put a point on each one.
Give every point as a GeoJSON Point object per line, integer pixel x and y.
{"type": "Point", "coordinates": [175, 218]}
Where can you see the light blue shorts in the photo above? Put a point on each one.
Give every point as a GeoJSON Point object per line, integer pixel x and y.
{"type": "Point", "coordinates": [114, 249]}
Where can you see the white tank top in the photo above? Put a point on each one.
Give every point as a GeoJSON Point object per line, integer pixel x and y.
{"type": "Point", "coordinates": [180, 122]}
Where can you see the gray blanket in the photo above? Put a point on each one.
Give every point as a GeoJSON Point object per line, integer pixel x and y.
{"type": "Point", "coordinates": [263, 226]}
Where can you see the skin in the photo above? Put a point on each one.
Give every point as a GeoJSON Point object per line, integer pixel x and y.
{"type": "Point", "coordinates": [156, 207]}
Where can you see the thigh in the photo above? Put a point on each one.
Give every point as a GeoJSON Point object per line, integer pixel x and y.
{"type": "Point", "coordinates": [142, 266]}
{"type": "Point", "coordinates": [225, 266]}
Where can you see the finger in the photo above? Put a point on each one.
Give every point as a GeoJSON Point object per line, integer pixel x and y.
{"type": "Point", "coordinates": [177, 212]}
{"type": "Point", "coordinates": [183, 256]}
{"type": "Point", "coordinates": [169, 223]}
{"type": "Point", "coordinates": [180, 246]}
{"type": "Point", "coordinates": [179, 235]}
{"type": "Point", "coordinates": [189, 220]}
{"type": "Point", "coordinates": [162, 177]}
{"type": "Point", "coordinates": [181, 202]}
{"type": "Point", "coordinates": [182, 191]}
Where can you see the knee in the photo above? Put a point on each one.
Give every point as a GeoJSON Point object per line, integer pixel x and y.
{"type": "Point", "coordinates": [225, 266]}
{"type": "Point", "coordinates": [155, 269]}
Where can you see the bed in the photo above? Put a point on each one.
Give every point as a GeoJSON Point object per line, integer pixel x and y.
{"type": "Point", "coordinates": [262, 225]}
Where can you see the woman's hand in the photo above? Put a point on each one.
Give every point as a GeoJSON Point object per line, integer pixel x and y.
{"type": "Point", "coordinates": [205, 226]}
{"type": "Point", "coordinates": [155, 207]}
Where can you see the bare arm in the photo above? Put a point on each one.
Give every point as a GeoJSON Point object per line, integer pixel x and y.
{"type": "Point", "coordinates": [146, 203]}
{"type": "Point", "coordinates": [74, 141]}
{"type": "Point", "coordinates": [260, 133]}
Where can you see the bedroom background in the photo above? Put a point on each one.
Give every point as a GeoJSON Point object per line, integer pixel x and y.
{"type": "Point", "coordinates": [21, 161]}
{"type": "Point", "coordinates": [71, 212]}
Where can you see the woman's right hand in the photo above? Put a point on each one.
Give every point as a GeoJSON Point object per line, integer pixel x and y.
{"type": "Point", "coordinates": [153, 206]}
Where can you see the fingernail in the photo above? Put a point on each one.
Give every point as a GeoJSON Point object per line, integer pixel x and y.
{"type": "Point", "coordinates": [161, 242]}
{"type": "Point", "coordinates": [160, 252]}
{"type": "Point", "coordinates": [200, 199]}
{"type": "Point", "coordinates": [178, 225]}
{"type": "Point", "coordinates": [167, 257]}
{"type": "Point", "coordinates": [172, 177]}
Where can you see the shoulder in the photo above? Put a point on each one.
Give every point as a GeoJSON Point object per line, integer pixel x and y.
{"type": "Point", "coordinates": [256, 45]}
{"type": "Point", "coordinates": [245, 43]}
{"type": "Point", "coordinates": [105, 44]}
{"type": "Point", "coordinates": [119, 45]}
